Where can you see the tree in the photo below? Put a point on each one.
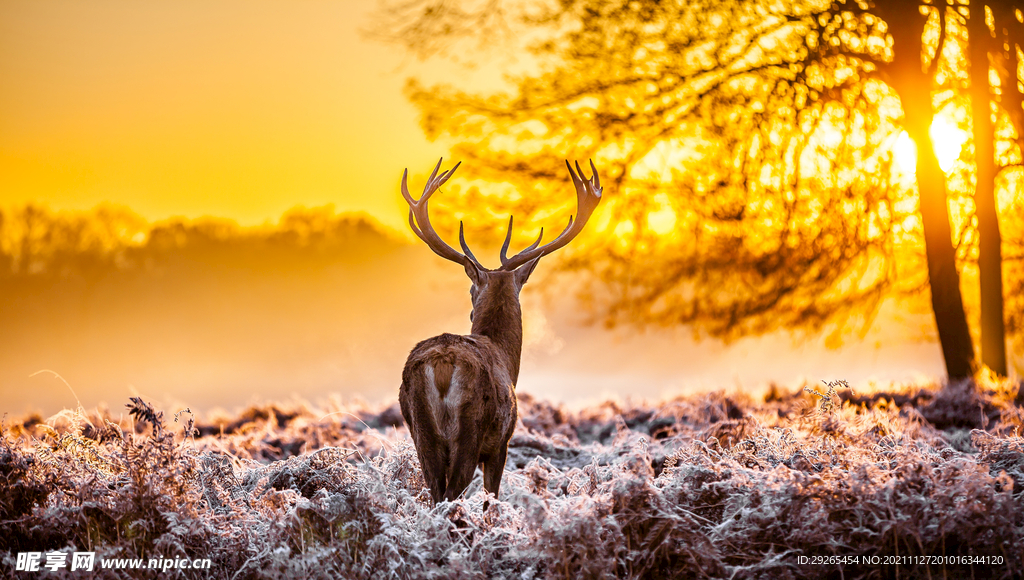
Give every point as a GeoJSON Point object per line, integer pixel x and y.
{"type": "Point", "coordinates": [1005, 50]}
{"type": "Point", "coordinates": [906, 27]}
{"type": "Point", "coordinates": [990, 261]}
{"type": "Point", "coordinates": [774, 125]}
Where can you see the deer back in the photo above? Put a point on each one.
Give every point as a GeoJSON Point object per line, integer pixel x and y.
{"type": "Point", "coordinates": [455, 385]}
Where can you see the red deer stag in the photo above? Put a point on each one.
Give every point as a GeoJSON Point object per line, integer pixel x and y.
{"type": "Point", "coordinates": [458, 392]}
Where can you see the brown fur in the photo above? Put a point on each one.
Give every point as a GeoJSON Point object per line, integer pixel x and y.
{"type": "Point", "coordinates": [443, 370]}
{"type": "Point", "coordinates": [480, 369]}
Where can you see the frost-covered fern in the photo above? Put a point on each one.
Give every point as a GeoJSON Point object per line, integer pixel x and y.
{"type": "Point", "coordinates": [707, 486]}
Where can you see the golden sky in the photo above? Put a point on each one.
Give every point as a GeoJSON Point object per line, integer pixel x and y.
{"type": "Point", "coordinates": [240, 109]}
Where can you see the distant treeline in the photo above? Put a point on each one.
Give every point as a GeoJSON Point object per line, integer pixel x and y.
{"type": "Point", "coordinates": [205, 309]}
{"type": "Point", "coordinates": [38, 242]}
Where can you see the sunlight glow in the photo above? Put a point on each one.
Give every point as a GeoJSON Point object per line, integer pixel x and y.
{"type": "Point", "coordinates": [904, 152]}
{"type": "Point", "coordinates": [947, 140]}
{"type": "Point", "coordinates": [663, 220]}
{"type": "Point", "coordinates": [624, 228]}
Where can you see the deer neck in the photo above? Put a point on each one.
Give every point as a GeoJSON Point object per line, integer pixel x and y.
{"type": "Point", "coordinates": [499, 317]}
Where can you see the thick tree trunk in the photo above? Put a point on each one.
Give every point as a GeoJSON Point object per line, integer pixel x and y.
{"type": "Point", "coordinates": [990, 261]}
{"type": "Point", "coordinates": [906, 25]}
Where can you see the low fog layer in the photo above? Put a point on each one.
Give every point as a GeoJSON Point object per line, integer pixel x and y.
{"type": "Point", "coordinates": [212, 315]}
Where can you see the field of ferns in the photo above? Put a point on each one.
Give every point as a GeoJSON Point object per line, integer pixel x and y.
{"type": "Point", "coordinates": [820, 482]}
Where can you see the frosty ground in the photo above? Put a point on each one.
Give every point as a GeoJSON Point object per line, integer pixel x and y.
{"type": "Point", "coordinates": [797, 485]}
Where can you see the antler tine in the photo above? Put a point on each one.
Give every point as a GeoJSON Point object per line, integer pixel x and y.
{"type": "Point", "coordinates": [588, 196]}
{"type": "Point", "coordinates": [577, 179]}
{"type": "Point", "coordinates": [465, 247]}
{"type": "Point", "coordinates": [508, 240]}
{"type": "Point", "coordinates": [405, 188]}
{"type": "Point", "coordinates": [433, 174]}
{"type": "Point", "coordinates": [419, 217]}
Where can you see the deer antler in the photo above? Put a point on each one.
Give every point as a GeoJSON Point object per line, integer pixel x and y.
{"type": "Point", "coordinates": [419, 218]}
{"type": "Point", "coordinates": [588, 195]}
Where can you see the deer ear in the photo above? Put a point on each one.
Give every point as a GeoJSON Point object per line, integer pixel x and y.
{"type": "Point", "coordinates": [522, 273]}
{"type": "Point", "coordinates": [474, 273]}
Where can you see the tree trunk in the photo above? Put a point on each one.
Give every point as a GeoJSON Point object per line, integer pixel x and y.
{"type": "Point", "coordinates": [1010, 36]}
{"type": "Point", "coordinates": [990, 261]}
{"type": "Point", "coordinates": [906, 25]}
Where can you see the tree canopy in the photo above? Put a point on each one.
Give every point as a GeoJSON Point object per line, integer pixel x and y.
{"type": "Point", "coordinates": [758, 173]}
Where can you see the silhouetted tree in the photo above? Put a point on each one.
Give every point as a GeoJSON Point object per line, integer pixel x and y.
{"type": "Point", "coordinates": [1005, 53]}
{"type": "Point", "coordinates": [990, 262]}
{"type": "Point", "coordinates": [905, 73]}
